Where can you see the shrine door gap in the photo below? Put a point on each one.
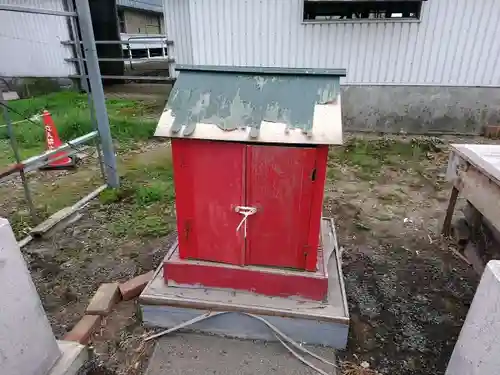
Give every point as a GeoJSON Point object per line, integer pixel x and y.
{"type": "Point", "coordinates": [212, 178]}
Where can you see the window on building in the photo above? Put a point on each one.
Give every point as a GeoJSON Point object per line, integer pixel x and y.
{"type": "Point", "coordinates": [153, 24]}
{"type": "Point", "coordinates": [328, 10]}
{"type": "Point", "coordinates": [121, 21]}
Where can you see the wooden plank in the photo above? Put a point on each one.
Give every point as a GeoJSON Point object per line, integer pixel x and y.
{"type": "Point", "coordinates": [485, 158]}
{"type": "Point", "coordinates": [280, 186]}
{"type": "Point", "coordinates": [63, 224]}
{"type": "Point", "coordinates": [209, 184]}
{"type": "Point", "coordinates": [316, 210]}
{"type": "Point", "coordinates": [11, 169]}
{"type": "Point", "coordinates": [262, 280]}
{"type": "Point", "coordinates": [65, 214]}
{"type": "Point", "coordinates": [446, 231]}
{"type": "Point", "coordinates": [482, 193]}
{"type": "Point", "coordinates": [48, 224]}
{"type": "Point", "coordinates": [336, 287]}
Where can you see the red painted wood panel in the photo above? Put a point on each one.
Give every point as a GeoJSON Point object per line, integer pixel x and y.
{"type": "Point", "coordinates": [279, 184]}
{"type": "Point", "coordinates": [209, 183]}
{"type": "Point", "coordinates": [316, 207]}
{"type": "Point", "coordinates": [283, 284]}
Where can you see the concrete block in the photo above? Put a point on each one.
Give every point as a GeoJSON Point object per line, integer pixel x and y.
{"type": "Point", "coordinates": [82, 331]}
{"type": "Point", "coordinates": [27, 344]}
{"type": "Point", "coordinates": [477, 347]}
{"type": "Point", "coordinates": [104, 299]}
{"type": "Point", "coordinates": [133, 287]}
{"type": "Point", "coordinates": [74, 357]}
{"type": "Point", "coordinates": [10, 95]}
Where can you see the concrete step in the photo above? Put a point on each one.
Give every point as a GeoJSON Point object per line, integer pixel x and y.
{"type": "Point", "coordinates": [190, 354]}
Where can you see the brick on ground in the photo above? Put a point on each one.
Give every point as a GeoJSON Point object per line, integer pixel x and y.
{"type": "Point", "coordinates": [133, 287]}
{"type": "Point", "coordinates": [104, 299]}
{"type": "Point", "coordinates": [83, 330]}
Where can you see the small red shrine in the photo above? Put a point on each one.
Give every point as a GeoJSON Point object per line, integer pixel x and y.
{"type": "Point", "coordinates": [250, 149]}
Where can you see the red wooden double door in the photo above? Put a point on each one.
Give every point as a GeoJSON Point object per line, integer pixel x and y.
{"type": "Point", "coordinates": [213, 180]}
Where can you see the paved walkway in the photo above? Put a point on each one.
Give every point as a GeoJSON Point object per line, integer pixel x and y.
{"type": "Point", "coordinates": [193, 354]}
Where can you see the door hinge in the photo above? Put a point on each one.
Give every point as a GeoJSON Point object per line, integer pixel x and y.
{"type": "Point", "coordinates": [313, 175]}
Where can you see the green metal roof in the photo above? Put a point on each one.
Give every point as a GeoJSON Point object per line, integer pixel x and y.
{"type": "Point", "coordinates": [254, 104]}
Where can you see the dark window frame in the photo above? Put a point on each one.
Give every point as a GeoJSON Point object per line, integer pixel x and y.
{"type": "Point", "coordinates": [361, 11]}
{"type": "Point", "coordinates": [122, 25]}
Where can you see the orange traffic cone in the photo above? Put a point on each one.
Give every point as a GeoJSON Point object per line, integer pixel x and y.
{"type": "Point", "coordinates": [52, 141]}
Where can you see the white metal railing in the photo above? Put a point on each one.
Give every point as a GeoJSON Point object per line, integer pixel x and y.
{"type": "Point", "coordinates": [145, 42]}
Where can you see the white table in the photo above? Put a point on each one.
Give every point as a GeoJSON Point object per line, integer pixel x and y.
{"type": "Point", "coordinates": [474, 171]}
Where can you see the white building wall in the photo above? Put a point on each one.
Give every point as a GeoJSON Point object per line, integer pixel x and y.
{"type": "Point", "coordinates": [30, 44]}
{"type": "Point", "coordinates": [178, 26]}
{"type": "Point", "coordinates": [455, 43]}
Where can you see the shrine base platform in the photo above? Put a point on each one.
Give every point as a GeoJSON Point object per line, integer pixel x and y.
{"type": "Point", "coordinates": [304, 320]}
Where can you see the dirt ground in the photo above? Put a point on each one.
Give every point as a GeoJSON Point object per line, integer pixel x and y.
{"type": "Point", "coordinates": [408, 293]}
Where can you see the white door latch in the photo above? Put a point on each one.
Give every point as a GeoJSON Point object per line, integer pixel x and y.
{"type": "Point", "coordinates": [246, 212]}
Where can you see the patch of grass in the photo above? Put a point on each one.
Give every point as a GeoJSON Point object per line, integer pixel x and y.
{"type": "Point", "coordinates": [109, 196]}
{"type": "Point", "coordinates": [142, 223]}
{"type": "Point", "coordinates": [370, 156]}
{"type": "Point", "coordinates": [146, 196]}
{"type": "Point", "coordinates": [390, 197]}
{"type": "Point", "coordinates": [332, 173]}
{"type": "Point", "coordinates": [142, 206]}
{"type": "Point", "coordinates": [361, 226]}
{"type": "Point", "coordinates": [383, 218]}
{"type": "Point", "coordinates": [129, 119]}
{"type": "Point", "coordinates": [155, 191]}
{"type": "Point", "coordinates": [21, 223]}
{"type": "Point", "coordinates": [7, 155]}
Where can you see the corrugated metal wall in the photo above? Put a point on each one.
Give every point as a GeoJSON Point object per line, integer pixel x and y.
{"type": "Point", "coordinates": [30, 44]}
{"type": "Point", "coordinates": [178, 26]}
{"type": "Point", "coordinates": [456, 42]}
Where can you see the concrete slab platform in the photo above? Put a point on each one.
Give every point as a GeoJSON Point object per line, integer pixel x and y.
{"type": "Point", "coordinates": [307, 321]}
{"type": "Point", "coordinates": [477, 347]}
{"type": "Point", "coordinates": [193, 354]}
{"type": "Point", "coordinates": [74, 357]}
